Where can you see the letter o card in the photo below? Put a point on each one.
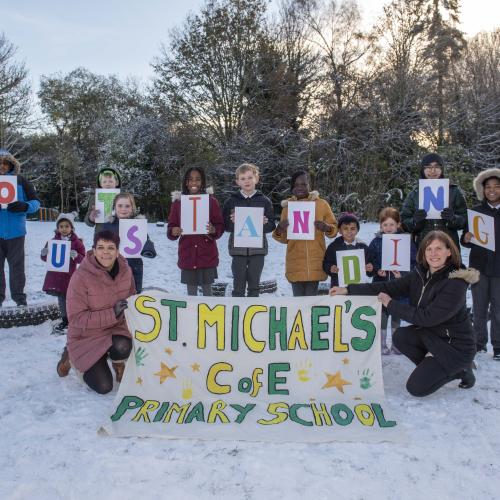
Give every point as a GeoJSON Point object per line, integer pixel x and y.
{"type": "Point", "coordinates": [351, 264]}
{"type": "Point", "coordinates": [195, 213]}
{"type": "Point", "coordinates": [249, 227]}
{"type": "Point", "coordinates": [301, 215]}
{"type": "Point", "coordinates": [58, 258]}
{"type": "Point", "coordinates": [396, 252]}
{"type": "Point", "coordinates": [8, 189]}
{"type": "Point", "coordinates": [482, 228]}
{"type": "Point", "coordinates": [104, 203]}
{"type": "Point", "coordinates": [133, 236]}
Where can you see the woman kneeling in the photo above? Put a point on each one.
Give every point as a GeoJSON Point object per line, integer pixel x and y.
{"type": "Point", "coordinates": [440, 340]}
{"type": "Point", "coordinates": [96, 300]}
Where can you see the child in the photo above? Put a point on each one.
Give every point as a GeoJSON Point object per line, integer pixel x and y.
{"type": "Point", "coordinates": [107, 178]}
{"type": "Point", "coordinates": [486, 293]}
{"type": "Point", "coordinates": [247, 263]}
{"type": "Point", "coordinates": [348, 229]}
{"type": "Point", "coordinates": [390, 223]}
{"type": "Point", "coordinates": [304, 258]}
{"type": "Point", "coordinates": [13, 229]}
{"type": "Point", "coordinates": [124, 208]}
{"type": "Point", "coordinates": [198, 254]}
{"type": "Point", "coordinates": [57, 283]}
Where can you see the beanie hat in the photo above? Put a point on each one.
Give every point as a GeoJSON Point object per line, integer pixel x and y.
{"type": "Point", "coordinates": [483, 176]}
{"type": "Point", "coordinates": [9, 158]}
{"type": "Point", "coordinates": [348, 218]}
{"type": "Point", "coordinates": [70, 217]}
{"type": "Point", "coordinates": [108, 171]}
{"type": "Point", "coordinates": [427, 160]}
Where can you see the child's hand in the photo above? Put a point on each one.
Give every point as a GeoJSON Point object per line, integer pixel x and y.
{"type": "Point", "coordinates": [44, 252]}
{"type": "Point", "coordinates": [210, 228]}
{"type": "Point", "coordinates": [369, 268]}
{"type": "Point", "coordinates": [282, 225]}
{"type": "Point", "coordinates": [381, 273]}
{"type": "Point", "coordinates": [338, 290]}
{"type": "Point", "coordinates": [334, 269]}
{"type": "Point", "coordinates": [397, 274]}
{"type": "Point", "coordinates": [266, 220]}
{"type": "Point", "coordinates": [73, 254]}
{"type": "Point", "coordinates": [94, 214]}
{"type": "Point", "coordinates": [176, 231]}
{"type": "Point", "coordinates": [322, 226]}
{"type": "Point", "coordinates": [467, 237]}
{"type": "Point", "coordinates": [232, 216]}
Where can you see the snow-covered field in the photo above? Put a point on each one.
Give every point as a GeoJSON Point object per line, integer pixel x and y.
{"type": "Point", "coordinates": [50, 448]}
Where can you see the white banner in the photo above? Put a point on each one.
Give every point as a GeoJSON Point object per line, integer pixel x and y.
{"type": "Point", "coordinates": [351, 264]}
{"type": "Point", "coordinates": [301, 215]}
{"type": "Point", "coordinates": [8, 189]}
{"type": "Point", "coordinates": [278, 369]}
{"type": "Point", "coordinates": [249, 227]}
{"type": "Point", "coordinates": [396, 252]}
{"type": "Point", "coordinates": [133, 235]}
{"type": "Point", "coordinates": [433, 196]}
{"type": "Point", "coordinates": [58, 258]}
{"type": "Point", "coordinates": [482, 228]}
{"type": "Point", "coordinates": [104, 203]}
{"type": "Point", "coordinates": [195, 213]}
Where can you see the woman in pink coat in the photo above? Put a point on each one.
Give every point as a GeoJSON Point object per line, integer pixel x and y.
{"type": "Point", "coordinates": [96, 300]}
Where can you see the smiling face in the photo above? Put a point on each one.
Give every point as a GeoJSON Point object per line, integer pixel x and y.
{"type": "Point", "coordinates": [436, 255]}
{"type": "Point", "coordinates": [301, 187]}
{"type": "Point", "coordinates": [247, 181]}
{"type": "Point", "coordinates": [348, 231]}
{"type": "Point", "coordinates": [5, 167]}
{"type": "Point", "coordinates": [64, 227]}
{"type": "Point", "coordinates": [109, 182]}
{"type": "Point", "coordinates": [106, 254]}
{"type": "Point", "coordinates": [193, 183]}
{"type": "Point", "coordinates": [123, 208]}
{"type": "Point", "coordinates": [389, 226]}
{"type": "Point", "coordinates": [433, 171]}
{"type": "Point", "coordinates": [492, 191]}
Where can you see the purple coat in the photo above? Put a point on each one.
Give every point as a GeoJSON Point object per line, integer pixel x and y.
{"type": "Point", "coordinates": [57, 283]}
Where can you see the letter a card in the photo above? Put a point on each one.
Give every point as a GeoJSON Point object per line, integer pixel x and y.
{"type": "Point", "coordinates": [58, 258]}
{"type": "Point", "coordinates": [396, 252]}
{"type": "Point", "coordinates": [482, 228]}
{"type": "Point", "coordinates": [248, 227]}
{"type": "Point", "coordinates": [301, 215]}
{"type": "Point", "coordinates": [133, 236]}
{"type": "Point", "coordinates": [104, 203]}
{"type": "Point", "coordinates": [195, 213]}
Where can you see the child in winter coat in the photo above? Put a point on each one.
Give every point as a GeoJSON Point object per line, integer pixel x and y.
{"type": "Point", "coordinates": [247, 263]}
{"type": "Point", "coordinates": [56, 283]}
{"type": "Point", "coordinates": [390, 223]}
{"type": "Point", "coordinates": [304, 258]}
{"type": "Point", "coordinates": [348, 230]}
{"type": "Point", "coordinates": [124, 207]}
{"type": "Point", "coordinates": [198, 254]}
{"type": "Point", "coordinates": [486, 293]}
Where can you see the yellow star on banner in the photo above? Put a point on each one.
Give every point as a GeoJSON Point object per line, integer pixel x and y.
{"type": "Point", "coordinates": [165, 372]}
{"type": "Point", "coordinates": [195, 367]}
{"type": "Point", "coordinates": [335, 380]}
{"type": "Point", "coordinates": [139, 381]}
{"type": "Point", "coordinates": [345, 361]}
{"type": "Point", "coordinates": [169, 351]}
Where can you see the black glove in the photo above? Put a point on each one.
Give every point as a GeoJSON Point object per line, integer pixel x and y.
{"type": "Point", "coordinates": [119, 307]}
{"type": "Point", "coordinates": [419, 215]}
{"type": "Point", "coordinates": [18, 206]}
{"type": "Point", "coordinates": [282, 226]}
{"type": "Point", "coordinates": [447, 214]}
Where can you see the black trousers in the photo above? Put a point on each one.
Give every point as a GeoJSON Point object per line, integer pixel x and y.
{"type": "Point", "coordinates": [486, 294]}
{"type": "Point", "coordinates": [137, 267]}
{"type": "Point", "coordinates": [99, 377]}
{"type": "Point", "coordinates": [247, 269]}
{"type": "Point", "coordinates": [305, 288]}
{"type": "Point", "coordinates": [429, 375]}
{"type": "Point", "coordinates": [13, 251]}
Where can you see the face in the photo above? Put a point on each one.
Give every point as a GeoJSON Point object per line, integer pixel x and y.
{"type": "Point", "coordinates": [301, 187]}
{"type": "Point", "coordinates": [247, 181]}
{"type": "Point", "coordinates": [64, 227]}
{"type": "Point", "coordinates": [492, 191]}
{"type": "Point", "coordinates": [106, 254]}
{"type": "Point", "coordinates": [194, 182]}
{"type": "Point", "coordinates": [436, 255]}
{"type": "Point", "coordinates": [349, 231]}
{"type": "Point", "coordinates": [433, 171]}
{"type": "Point", "coordinates": [5, 167]}
{"type": "Point", "coordinates": [123, 208]}
{"type": "Point", "coordinates": [108, 182]}
{"type": "Point", "coordinates": [389, 226]}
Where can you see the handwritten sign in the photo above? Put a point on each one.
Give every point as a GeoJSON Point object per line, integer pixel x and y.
{"type": "Point", "coordinates": [301, 215]}
{"type": "Point", "coordinates": [195, 213]}
{"type": "Point", "coordinates": [482, 228]}
{"type": "Point", "coordinates": [8, 189]}
{"type": "Point", "coordinates": [433, 196]}
{"type": "Point", "coordinates": [58, 258]}
{"type": "Point", "coordinates": [133, 236]}
{"type": "Point", "coordinates": [249, 227]}
{"type": "Point", "coordinates": [396, 252]}
{"type": "Point", "coordinates": [104, 203]}
{"type": "Point", "coordinates": [351, 264]}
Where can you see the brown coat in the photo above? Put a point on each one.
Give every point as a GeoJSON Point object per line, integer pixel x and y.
{"type": "Point", "coordinates": [92, 293]}
{"type": "Point", "coordinates": [304, 258]}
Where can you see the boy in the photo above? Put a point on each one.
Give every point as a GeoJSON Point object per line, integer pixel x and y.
{"type": "Point", "coordinates": [348, 230]}
{"type": "Point", "coordinates": [486, 293]}
{"type": "Point", "coordinates": [13, 229]}
{"type": "Point", "coordinates": [247, 263]}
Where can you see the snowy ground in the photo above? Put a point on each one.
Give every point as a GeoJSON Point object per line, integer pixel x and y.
{"type": "Point", "coordinates": [50, 448]}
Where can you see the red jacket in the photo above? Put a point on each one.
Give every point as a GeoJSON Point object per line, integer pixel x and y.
{"type": "Point", "coordinates": [196, 251]}
{"type": "Point", "coordinates": [57, 283]}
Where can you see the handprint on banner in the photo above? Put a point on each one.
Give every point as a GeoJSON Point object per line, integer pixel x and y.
{"type": "Point", "coordinates": [187, 389]}
{"type": "Point", "coordinates": [303, 371]}
{"type": "Point", "coordinates": [140, 354]}
{"type": "Point", "coordinates": [365, 380]}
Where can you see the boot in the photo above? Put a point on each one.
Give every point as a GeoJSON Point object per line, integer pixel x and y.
{"type": "Point", "coordinates": [64, 365]}
{"type": "Point", "coordinates": [119, 368]}
{"type": "Point", "coordinates": [383, 337]}
{"type": "Point", "coordinates": [468, 378]}
{"type": "Point", "coordinates": [61, 328]}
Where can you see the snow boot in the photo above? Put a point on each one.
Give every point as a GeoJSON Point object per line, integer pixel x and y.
{"type": "Point", "coordinates": [61, 328]}
{"type": "Point", "coordinates": [496, 354]}
{"type": "Point", "coordinates": [385, 349]}
{"type": "Point", "coordinates": [119, 368]}
{"type": "Point", "coordinates": [64, 365]}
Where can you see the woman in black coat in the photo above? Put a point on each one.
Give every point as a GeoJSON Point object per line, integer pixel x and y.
{"type": "Point", "coordinates": [440, 340]}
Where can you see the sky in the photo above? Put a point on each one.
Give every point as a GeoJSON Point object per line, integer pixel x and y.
{"type": "Point", "coordinates": [122, 37]}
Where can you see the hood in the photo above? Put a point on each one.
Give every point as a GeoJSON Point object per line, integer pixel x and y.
{"type": "Point", "coordinates": [176, 195]}
{"type": "Point", "coordinates": [313, 196]}
{"type": "Point", "coordinates": [479, 181]}
{"type": "Point", "coordinates": [469, 275]}
{"type": "Point", "coordinates": [112, 169]}
{"type": "Point", "coordinates": [70, 217]}
{"type": "Point", "coordinates": [15, 165]}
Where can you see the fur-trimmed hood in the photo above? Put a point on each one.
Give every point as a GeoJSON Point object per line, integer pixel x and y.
{"type": "Point", "coordinates": [313, 196]}
{"type": "Point", "coordinates": [176, 195]}
{"type": "Point", "coordinates": [469, 275]}
{"type": "Point", "coordinates": [9, 157]}
{"type": "Point", "coordinates": [479, 181]}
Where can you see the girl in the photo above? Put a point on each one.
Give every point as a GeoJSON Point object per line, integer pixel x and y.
{"type": "Point", "coordinates": [57, 283]}
{"type": "Point", "coordinates": [198, 254]}
{"type": "Point", "coordinates": [304, 258]}
{"type": "Point", "coordinates": [390, 223]}
{"type": "Point", "coordinates": [124, 208]}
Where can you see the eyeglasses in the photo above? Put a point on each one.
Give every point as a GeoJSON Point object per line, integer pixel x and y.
{"type": "Point", "coordinates": [432, 168]}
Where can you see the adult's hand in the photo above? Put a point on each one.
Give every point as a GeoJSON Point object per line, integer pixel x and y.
{"type": "Point", "coordinates": [18, 207]}
{"type": "Point", "coordinates": [447, 214]}
{"type": "Point", "coordinates": [384, 298]}
{"type": "Point", "coordinates": [119, 307]}
{"type": "Point", "coordinates": [419, 216]}
{"type": "Point", "coordinates": [338, 290]}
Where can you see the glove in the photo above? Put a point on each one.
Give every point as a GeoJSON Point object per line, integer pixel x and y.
{"type": "Point", "coordinates": [322, 226]}
{"type": "Point", "coordinates": [447, 214]}
{"type": "Point", "coordinates": [73, 254]}
{"type": "Point", "coordinates": [44, 252]}
{"type": "Point", "coordinates": [419, 215]}
{"type": "Point", "coordinates": [283, 225]}
{"type": "Point", "coordinates": [119, 307]}
{"type": "Point", "coordinates": [18, 207]}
